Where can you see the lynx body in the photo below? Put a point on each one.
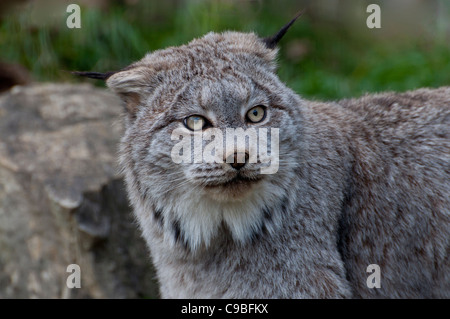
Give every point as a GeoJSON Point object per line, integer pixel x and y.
{"type": "Point", "coordinates": [361, 181]}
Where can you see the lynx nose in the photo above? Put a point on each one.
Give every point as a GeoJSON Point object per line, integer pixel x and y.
{"type": "Point", "coordinates": [238, 160]}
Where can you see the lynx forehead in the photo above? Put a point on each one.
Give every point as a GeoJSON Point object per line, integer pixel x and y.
{"type": "Point", "coordinates": [202, 68]}
{"type": "Point", "coordinates": [360, 182]}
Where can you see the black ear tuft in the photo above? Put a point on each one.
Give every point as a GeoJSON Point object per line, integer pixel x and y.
{"type": "Point", "coordinates": [271, 42]}
{"type": "Point", "coordinates": [94, 75]}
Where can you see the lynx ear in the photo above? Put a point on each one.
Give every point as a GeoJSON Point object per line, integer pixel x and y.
{"type": "Point", "coordinates": [129, 83]}
{"type": "Point", "coordinates": [272, 42]}
{"type": "Point", "coordinates": [130, 99]}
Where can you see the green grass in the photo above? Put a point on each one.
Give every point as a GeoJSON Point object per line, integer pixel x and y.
{"type": "Point", "coordinates": [339, 60]}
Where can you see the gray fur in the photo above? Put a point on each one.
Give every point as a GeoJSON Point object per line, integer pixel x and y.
{"type": "Point", "coordinates": [363, 181]}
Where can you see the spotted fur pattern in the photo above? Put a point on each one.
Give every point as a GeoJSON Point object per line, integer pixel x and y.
{"type": "Point", "coordinates": [363, 181]}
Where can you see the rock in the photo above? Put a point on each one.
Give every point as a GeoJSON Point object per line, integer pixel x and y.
{"type": "Point", "coordinates": [62, 200]}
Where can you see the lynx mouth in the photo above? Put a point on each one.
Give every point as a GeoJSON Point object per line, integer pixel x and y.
{"type": "Point", "coordinates": [238, 179]}
{"type": "Point", "coordinates": [237, 187]}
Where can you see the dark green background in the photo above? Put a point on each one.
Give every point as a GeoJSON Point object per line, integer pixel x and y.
{"type": "Point", "coordinates": [329, 53]}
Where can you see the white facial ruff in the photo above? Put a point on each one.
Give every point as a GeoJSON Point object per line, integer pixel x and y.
{"type": "Point", "coordinates": [189, 216]}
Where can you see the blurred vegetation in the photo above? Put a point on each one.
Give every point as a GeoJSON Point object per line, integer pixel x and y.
{"type": "Point", "coordinates": [329, 53]}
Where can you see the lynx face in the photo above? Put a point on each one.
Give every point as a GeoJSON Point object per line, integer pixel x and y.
{"type": "Point", "coordinates": [218, 82]}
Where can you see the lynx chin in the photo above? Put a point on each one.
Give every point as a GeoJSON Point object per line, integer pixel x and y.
{"type": "Point", "coordinates": [359, 181]}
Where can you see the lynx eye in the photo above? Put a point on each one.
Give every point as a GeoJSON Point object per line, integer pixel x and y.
{"type": "Point", "coordinates": [195, 122]}
{"type": "Point", "coordinates": [256, 114]}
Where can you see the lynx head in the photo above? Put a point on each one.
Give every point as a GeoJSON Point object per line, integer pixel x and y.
{"type": "Point", "coordinates": [214, 83]}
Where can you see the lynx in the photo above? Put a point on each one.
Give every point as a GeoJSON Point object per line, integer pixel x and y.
{"type": "Point", "coordinates": [359, 181]}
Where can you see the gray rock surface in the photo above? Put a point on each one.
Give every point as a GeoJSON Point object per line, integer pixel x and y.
{"type": "Point", "coordinates": [62, 200]}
